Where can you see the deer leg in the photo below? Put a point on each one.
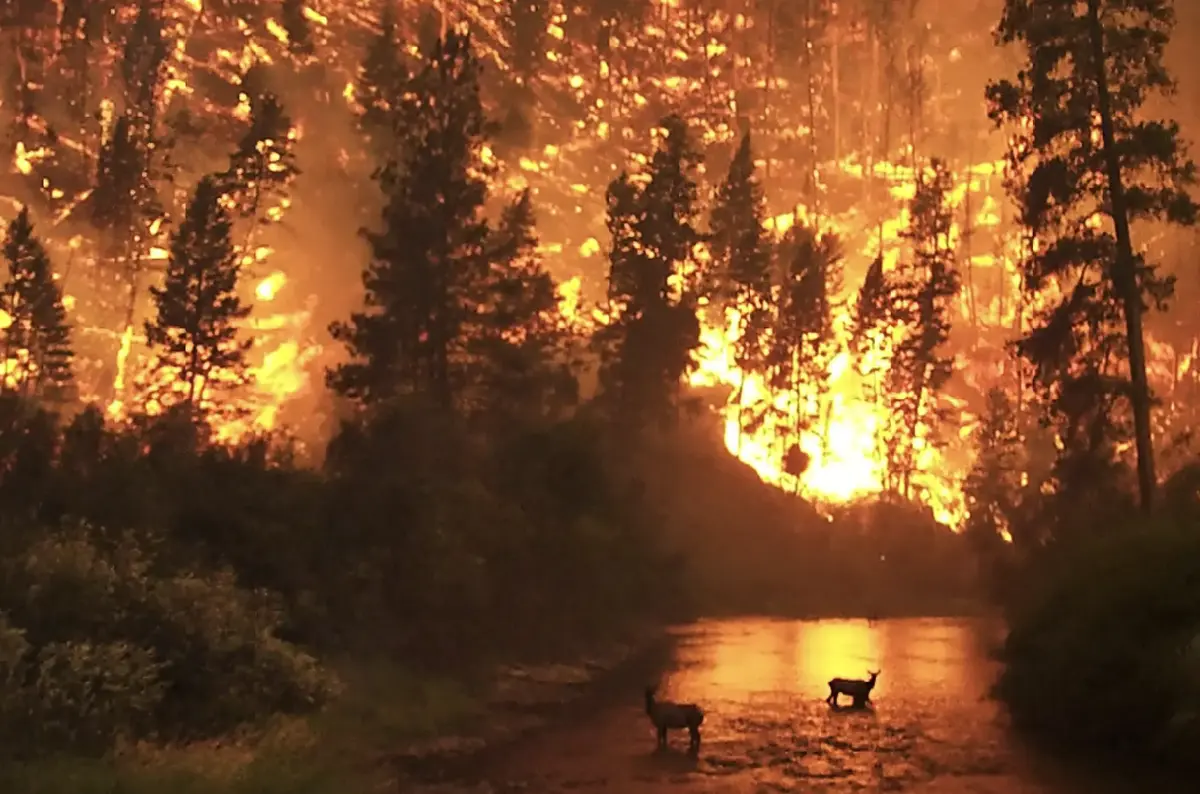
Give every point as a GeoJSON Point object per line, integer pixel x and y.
{"type": "Point", "coordinates": [662, 737]}
{"type": "Point", "coordinates": [694, 736]}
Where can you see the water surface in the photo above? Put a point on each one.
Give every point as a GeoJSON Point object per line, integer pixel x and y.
{"type": "Point", "coordinates": [763, 685]}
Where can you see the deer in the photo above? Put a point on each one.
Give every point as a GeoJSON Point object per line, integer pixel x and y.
{"type": "Point", "coordinates": [667, 716]}
{"type": "Point", "coordinates": [858, 691]}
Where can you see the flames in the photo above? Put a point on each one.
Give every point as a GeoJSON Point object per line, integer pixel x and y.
{"type": "Point", "coordinates": [569, 177]}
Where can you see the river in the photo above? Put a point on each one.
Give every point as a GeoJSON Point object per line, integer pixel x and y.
{"type": "Point", "coordinates": [762, 684]}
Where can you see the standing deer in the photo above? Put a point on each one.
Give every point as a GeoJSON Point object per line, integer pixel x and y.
{"type": "Point", "coordinates": [667, 716]}
{"type": "Point", "coordinates": [858, 691]}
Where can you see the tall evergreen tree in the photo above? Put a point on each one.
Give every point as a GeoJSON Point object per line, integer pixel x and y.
{"type": "Point", "coordinates": [429, 264]}
{"type": "Point", "coordinates": [263, 165]}
{"type": "Point", "coordinates": [523, 347]}
{"type": "Point", "coordinates": [741, 264]}
{"type": "Point", "coordinates": [381, 82]}
{"type": "Point", "coordinates": [195, 328]}
{"type": "Point", "coordinates": [993, 487]}
{"type": "Point", "coordinates": [803, 344]}
{"type": "Point", "coordinates": [649, 345]}
{"type": "Point", "coordinates": [919, 367]}
{"type": "Point", "coordinates": [38, 335]}
{"type": "Point", "coordinates": [1084, 147]}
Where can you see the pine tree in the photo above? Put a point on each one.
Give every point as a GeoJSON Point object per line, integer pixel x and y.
{"type": "Point", "coordinates": [381, 83]}
{"type": "Point", "coordinates": [37, 335]}
{"type": "Point", "coordinates": [993, 487]}
{"type": "Point", "coordinates": [299, 32]}
{"type": "Point", "coordinates": [803, 344]}
{"type": "Point", "coordinates": [195, 329]}
{"type": "Point", "coordinates": [928, 285]}
{"type": "Point", "coordinates": [429, 262]}
{"type": "Point", "coordinates": [524, 24]}
{"type": "Point", "coordinates": [648, 347]}
{"type": "Point", "coordinates": [263, 166]}
{"type": "Point", "coordinates": [142, 61]}
{"type": "Point", "coordinates": [741, 265]}
{"type": "Point", "coordinates": [522, 347]}
{"type": "Point", "coordinates": [1083, 147]}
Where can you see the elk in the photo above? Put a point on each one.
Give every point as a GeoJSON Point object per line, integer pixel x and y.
{"type": "Point", "coordinates": [667, 716]}
{"type": "Point", "coordinates": [858, 691]}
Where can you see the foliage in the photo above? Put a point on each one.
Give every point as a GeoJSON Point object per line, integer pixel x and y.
{"type": "Point", "coordinates": [922, 298]}
{"type": "Point", "coordinates": [153, 653]}
{"type": "Point", "coordinates": [1084, 147]}
{"type": "Point", "coordinates": [194, 332]}
{"type": "Point", "coordinates": [1101, 655]}
{"type": "Point", "coordinates": [648, 345]}
{"type": "Point", "coordinates": [35, 336]}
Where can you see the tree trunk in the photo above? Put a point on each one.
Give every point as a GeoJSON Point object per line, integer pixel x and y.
{"type": "Point", "coordinates": [1124, 275]}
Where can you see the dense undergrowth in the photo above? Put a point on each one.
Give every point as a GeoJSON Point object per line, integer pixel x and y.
{"type": "Point", "coordinates": [1103, 655]}
{"type": "Point", "coordinates": [158, 590]}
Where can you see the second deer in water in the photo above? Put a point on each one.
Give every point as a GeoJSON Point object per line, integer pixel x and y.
{"type": "Point", "coordinates": [668, 716]}
{"type": "Point", "coordinates": [858, 691]}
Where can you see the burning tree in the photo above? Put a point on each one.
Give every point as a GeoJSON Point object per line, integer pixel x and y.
{"type": "Point", "coordinates": [36, 354]}
{"type": "Point", "coordinates": [922, 301]}
{"type": "Point", "coordinates": [299, 32]}
{"type": "Point", "coordinates": [741, 266]}
{"type": "Point", "coordinates": [802, 343]}
{"type": "Point", "coordinates": [263, 165]}
{"type": "Point", "coordinates": [1089, 165]}
{"type": "Point", "coordinates": [195, 331]}
{"type": "Point", "coordinates": [648, 346]}
{"type": "Point", "coordinates": [429, 262]}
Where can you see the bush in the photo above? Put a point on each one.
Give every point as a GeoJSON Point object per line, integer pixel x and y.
{"type": "Point", "coordinates": [1102, 651]}
{"type": "Point", "coordinates": [110, 646]}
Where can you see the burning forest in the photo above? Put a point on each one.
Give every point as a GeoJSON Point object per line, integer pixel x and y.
{"type": "Point", "coordinates": [340, 328]}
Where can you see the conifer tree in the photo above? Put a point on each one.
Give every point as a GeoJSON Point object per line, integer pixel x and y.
{"type": "Point", "coordinates": [38, 334]}
{"type": "Point", "coordinates": [197, 308]}
{"type": "Point", "coordinates": [523, 346]}
{"type": "Point", "coordinates": [648, 347]}
{"type": "Point", "coordinates": [263, 165]}
{"type": "Point", "coordinates": [802, 345]}
{"type": "Point", "coordinates": [741, 263]}
{"type": "Point", "coordinates": [299, 31]}
{"type": "Point", "coordinates": [1084, 147]}
{"type": "Point", "coordinates": [929, 283]}
{"type": "Point", "coordinates": [993, 486]}
{"type": "Point", "coordinates": [429, 264]}
{"type": "Point", "coordinates": [524, 24]}
{"type": "Point", "coordinates": [381, 82]}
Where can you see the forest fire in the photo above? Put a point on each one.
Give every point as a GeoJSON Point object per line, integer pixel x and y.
{"type": "Point", "coordinates": [713, 67]}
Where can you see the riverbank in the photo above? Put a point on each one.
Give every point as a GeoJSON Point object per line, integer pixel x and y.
{"type": "Point", "coordinates": [388, 725]}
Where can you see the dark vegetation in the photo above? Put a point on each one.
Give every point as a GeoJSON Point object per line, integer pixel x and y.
{"type": "Point", "coordinates": [162, 585]}
{"type": "Point", "coordinates": [1101, 581]}
{"type": "Point", "coordinates": [505, 481]}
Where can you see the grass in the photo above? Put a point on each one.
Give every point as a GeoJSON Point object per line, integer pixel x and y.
{"type": "Point", "coordinates": [344, 749]}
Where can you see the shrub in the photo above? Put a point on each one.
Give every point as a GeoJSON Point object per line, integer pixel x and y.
{"type": "Point", "coordinates": [1101, 652]}
{"type": "Point", "coordinates": [111, 645]}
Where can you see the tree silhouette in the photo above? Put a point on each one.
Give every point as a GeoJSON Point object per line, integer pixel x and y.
{"type": "Point", "coordinates": [802, 345]}
{"type": "Point", "coordinates": [649, 344]}
{"type": "Point", "coordinates": [429, 263]}
{"type": "Point", "coordinates": [195, 329]}
{"type": "Point", "coordinates": [522, 347]}
{"type": "Point", "coordinates": [927, 284]}
{"type": "Point", "coordinates": [262, 166]}
{"type": "Point", "coordinates": [740, 276]}
{"type": "Point", "coordinates": [381, 83]}
{"type": "Point", "coordinates": [37, 338]}
{"type": "Point", "coordinates": [1084, 148]}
